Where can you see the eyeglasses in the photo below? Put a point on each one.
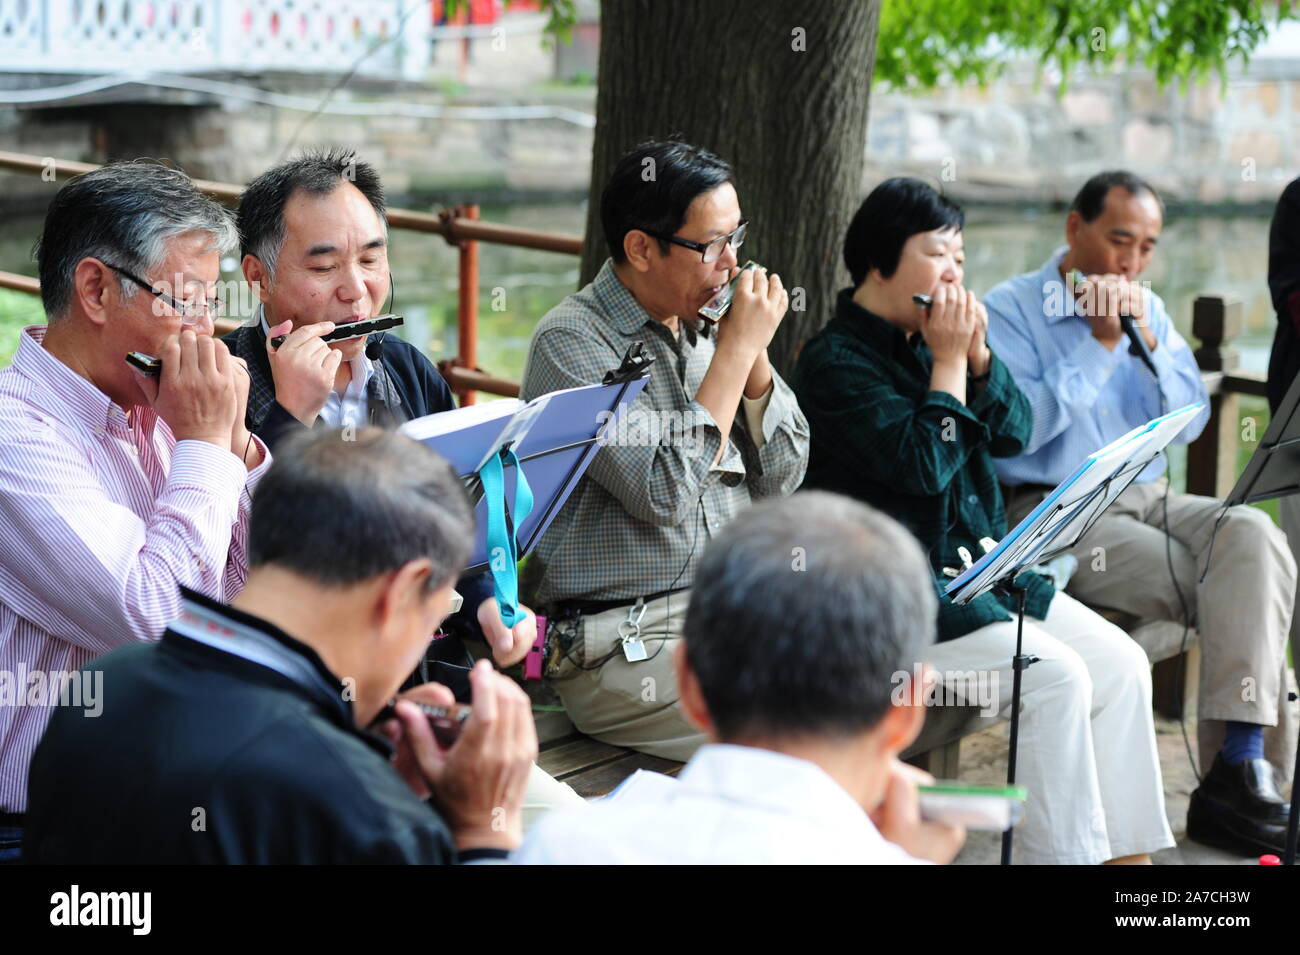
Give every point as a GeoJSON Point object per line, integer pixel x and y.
{"type": "Point", "coordinates": [190, 312]}
{"type": "Point", "coordinates": [711, 250]}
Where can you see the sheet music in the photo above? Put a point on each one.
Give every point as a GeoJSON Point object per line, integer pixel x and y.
{"type": "Point", "coordinates": [1064, 515]}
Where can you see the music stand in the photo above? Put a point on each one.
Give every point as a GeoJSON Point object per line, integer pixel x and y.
{"type": "Point", "coordinates": [1056, 525]}
{"type": "Point", "coordinates": [554, 438]}
{"type": "Point", "coordinates": [1274, 471]}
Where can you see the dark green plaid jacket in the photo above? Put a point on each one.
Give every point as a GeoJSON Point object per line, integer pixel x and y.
{"type": "Point", "coordinates": [878, 433]}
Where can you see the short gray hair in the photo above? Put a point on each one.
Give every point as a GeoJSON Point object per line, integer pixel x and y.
{"type": "Point", "coordinates": [339, 508]}
{"type": "Point", "coordinates": [124, 213]}
{"type": "Point", "coordinates": [801, 612]}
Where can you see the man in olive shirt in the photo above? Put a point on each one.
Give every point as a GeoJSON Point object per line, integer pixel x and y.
{"type": "Point", "coordinates": [714, 429]}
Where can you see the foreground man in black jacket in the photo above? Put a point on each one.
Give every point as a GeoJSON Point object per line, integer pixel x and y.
{"type": "Point", "coordinates": [241, 737]}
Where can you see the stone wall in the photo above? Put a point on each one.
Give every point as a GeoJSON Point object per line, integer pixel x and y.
{"type": "Point", "coordinates": [1021, 143]}
{"type": "Point", "coordinates": [1014, 142]}
{"type": "Point", "coordinates": [431, 159]}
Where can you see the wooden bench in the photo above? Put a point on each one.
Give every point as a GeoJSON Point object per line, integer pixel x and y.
{"type": "Point", "coordinates": [591, 767]}
{"type": "Point", "coordinates": [594, 768]}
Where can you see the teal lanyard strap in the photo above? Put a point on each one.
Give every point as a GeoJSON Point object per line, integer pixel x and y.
{"type": "Point", "coordinates": [502, 546]}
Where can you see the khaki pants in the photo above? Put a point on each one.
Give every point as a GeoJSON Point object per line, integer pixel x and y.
{"type": "Point", "coordinates": [1242, 610]}
{"type": "Point", "coordinates": [622, 703]}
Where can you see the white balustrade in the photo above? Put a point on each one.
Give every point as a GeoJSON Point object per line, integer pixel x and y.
{"type": "Point", "coordinates": [192, 36]}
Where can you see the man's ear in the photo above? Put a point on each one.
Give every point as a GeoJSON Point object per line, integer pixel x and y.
{"type": "Point", "coordinates": [637, 247]}
{"type": "Point", "coordinates": [900, 727]}
{"type": "Point", "coordinates": [902, 722]}
{"type": "Point", "coordinates": [689, 695]}
{"type": "Point", "coordinates": [404, 592]}
{"type": "Point", "coordinates": [1073, 223]}
{"type": "Point", "coordinates": [94, 287]}
{"type": "Point", "coordinates": [255, 275]}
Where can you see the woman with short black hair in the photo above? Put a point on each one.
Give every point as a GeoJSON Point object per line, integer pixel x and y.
{"type": "Point", "coordinates": [907, 408]}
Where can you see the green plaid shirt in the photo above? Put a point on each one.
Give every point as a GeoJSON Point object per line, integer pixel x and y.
{"type": "Point", "coordinates": [640, 518]}
{"type": "Point", "coordinates": [881, 435]}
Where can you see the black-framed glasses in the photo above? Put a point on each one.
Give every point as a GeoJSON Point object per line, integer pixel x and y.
{"type": "Point", "coordinates": [190, 312]}
{"type": "Point", "coordinates": [711, 250]}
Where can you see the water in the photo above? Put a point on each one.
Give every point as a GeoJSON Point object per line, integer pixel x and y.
{"type": "Point", "coordinates": [1197, 255]}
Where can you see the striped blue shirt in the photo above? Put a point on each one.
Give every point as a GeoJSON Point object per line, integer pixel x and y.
{"type": "Point", "coordinates": [1082, 396]}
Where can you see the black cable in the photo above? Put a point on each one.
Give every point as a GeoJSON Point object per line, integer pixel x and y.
{"type": "Point", "coordinates": [667, 634]}
{"type": "Point", "coordinates": [1182, 601]}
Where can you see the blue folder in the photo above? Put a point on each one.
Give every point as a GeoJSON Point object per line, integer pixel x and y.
{"type": "Point", "coordinates": [554, 436]}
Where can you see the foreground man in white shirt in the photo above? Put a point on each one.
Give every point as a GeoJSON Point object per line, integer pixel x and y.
{"type": "Point", "coordinates": [803, 612]}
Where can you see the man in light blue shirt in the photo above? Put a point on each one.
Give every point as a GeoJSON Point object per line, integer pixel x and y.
{"type": "Point", "coordinates": [1060, 333]}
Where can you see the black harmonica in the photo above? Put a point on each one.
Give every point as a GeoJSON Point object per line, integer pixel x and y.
{"type": "Point", "coordinates": [353, 329]}
{"type": "Point", "coordinates": [445, 723]}
{"type": "Point", "coordinates": [923, 300]}
{"type": "Point", "coordinates": [146, 365]}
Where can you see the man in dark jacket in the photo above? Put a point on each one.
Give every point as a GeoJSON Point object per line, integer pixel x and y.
{"type": "Point", "coordinates": [1284, 363]}
{"type": "Point", "coordinates": [247, 734]}
{"type": "Point", "coordinates": [314, 240]}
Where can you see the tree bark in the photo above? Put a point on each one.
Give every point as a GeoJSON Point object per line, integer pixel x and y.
{"type": "Point", "coordinates": [777, 88]}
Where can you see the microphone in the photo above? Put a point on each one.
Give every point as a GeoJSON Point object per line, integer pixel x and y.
{"type": "Point", "coordinates": [373, 349]}
{"type": "Point", "coordinates": [1137, 344]}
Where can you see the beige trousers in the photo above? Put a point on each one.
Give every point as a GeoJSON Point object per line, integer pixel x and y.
{"type": "Point", "coordinates": [1242, 610]}
{"type": "Point", "coordinates": [624, 703]}
{"type": "Point", "coordinates": [1087, 748]}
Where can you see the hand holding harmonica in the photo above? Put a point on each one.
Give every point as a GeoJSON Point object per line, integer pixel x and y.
{"type": "Point", "coordinates": [149, 366]}
{"type": "Point", "coordinates": [199, 395]}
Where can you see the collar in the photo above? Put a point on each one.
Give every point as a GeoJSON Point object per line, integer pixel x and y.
{"type": "Point", "coordinates": [621, 310]}
{"type": "Point", "coordinates": [232, 632]}
{"type": "Point", "coordinates": [86, 402]}
{"type": "Point", "coordinates": [751, 776]}
{"type": "Point", "coordinates": [882, 335]}
{"type": "Point", "coordinates": [1058, 303]}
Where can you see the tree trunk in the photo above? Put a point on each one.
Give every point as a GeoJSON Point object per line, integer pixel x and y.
{"type": "Point", "coordinates": [777, 88]}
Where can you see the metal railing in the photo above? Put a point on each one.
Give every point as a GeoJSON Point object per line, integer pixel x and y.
{"type": "Point", "coordinates": [459, 225]}
{"type": "Point", "coordinates": [1216, 321]}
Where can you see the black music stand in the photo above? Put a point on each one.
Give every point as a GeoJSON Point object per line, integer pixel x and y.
{"type": "Point", "coordinates": [1274, 471]}
{"type": "Point", "coordinates": [1054, 526]}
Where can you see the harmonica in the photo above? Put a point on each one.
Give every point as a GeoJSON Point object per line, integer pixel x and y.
{"type": "Point", "coordinates": [924, 301]}
{"type": "Point", "coordinates": [353, 329]}
{"type": "Point", "coordinates": [445, 722]}
{"type": "Point", "coordinates": [146, 365]}
{"type": "Point", "coordinates": [716, 307]}
{"type": "Point", "coordinates": [151, 367]}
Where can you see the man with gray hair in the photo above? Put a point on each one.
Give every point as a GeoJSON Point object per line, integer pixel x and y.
{"type": "Point", "coordinates": [255, 726]}
{"type": "Point", "coordinates": [802, 718]}
{"type": "Point", "coordinates": [115, 488]}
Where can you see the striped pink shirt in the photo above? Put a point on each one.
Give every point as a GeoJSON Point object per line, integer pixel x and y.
{"type": "Point", "coordinates": [100, 518]}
